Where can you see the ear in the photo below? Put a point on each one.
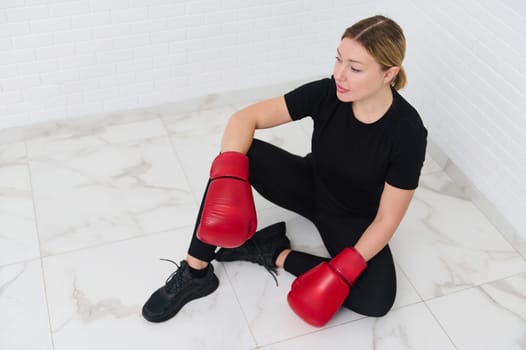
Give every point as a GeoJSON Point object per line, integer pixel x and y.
{"type": "Point", "coordinates": [390, 74]}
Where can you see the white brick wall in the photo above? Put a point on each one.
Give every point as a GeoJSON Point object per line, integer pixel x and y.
{"type": "Point", "coordinates": [61, 59]}
{"type": "Point", "coordinates": [465, 61]}
{"type": "Point", "coordinates": [466, 76]}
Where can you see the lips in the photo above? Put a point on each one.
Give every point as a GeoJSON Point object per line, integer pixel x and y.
{"type": "Point", "coordinates": [341, 89]}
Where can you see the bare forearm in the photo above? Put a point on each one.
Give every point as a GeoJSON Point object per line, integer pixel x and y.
{"type": "Point", "coordinates": [374, 239]}
{"type": "Point", "coordinates": [238, 134]}
{"type": "Point", "coordinates": [393, 205]}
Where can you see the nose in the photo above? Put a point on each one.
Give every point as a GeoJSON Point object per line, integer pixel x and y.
{"type": "Point", "coordinates": [338, 71]}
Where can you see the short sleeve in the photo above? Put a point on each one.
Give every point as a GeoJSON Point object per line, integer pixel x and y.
{"type": "Point", "coordinates": [407, 157]}
{"type": "Point", "coordinates": [306, 100]}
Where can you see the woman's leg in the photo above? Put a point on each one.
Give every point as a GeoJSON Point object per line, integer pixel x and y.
{"type": "Point", "coordinates": [193, 279]}
{"type": "Point", "coordinates": [286, 180]}
{"type": "Point", "coordinates": [281, 177]}
{"type": "Point", "coordinates": [374, 292]}
{"type": "Point", "coordinates": [298, 263]}
{"type": "Point", "coordinates": [200, 253]}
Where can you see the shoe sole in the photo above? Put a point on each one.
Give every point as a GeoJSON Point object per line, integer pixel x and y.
{"type": "Point", "coordinates": [209, 289]}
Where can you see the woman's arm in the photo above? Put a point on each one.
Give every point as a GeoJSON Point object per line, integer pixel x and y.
{"type": "Point", "coordinates": [239, 131]}
{"type": "Point", "coordinates": [393, 206]}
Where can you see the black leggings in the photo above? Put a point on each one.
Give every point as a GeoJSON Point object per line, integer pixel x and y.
{"type": "Point", "coordinates": [288, 181]}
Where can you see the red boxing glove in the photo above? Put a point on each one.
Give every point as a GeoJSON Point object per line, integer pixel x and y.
{"type": "Point", "coordinates": [228, 217]}
{"type": "Point", "coordinates": [316, 295]}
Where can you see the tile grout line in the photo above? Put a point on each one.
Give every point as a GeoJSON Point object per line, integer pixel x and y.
{"type": "Point", "coordinates": [167, 135]}
{"type": "Point", "coordinates": [440, 325]}
{"type": "Point", "coordinates": [240, 306]}
{"type": "Point", "coordinates": [43, 273]}
{"type": "Point", "coordinates": [176, 154]}
{"type": "Point", "coordinates": [474, 287]}
{"type": "Point", "coordinates": [109, 243]}
{"type": "Point", "coordinates": [476, 197]}
{"type": "Point", "coordinates": [408, 280]}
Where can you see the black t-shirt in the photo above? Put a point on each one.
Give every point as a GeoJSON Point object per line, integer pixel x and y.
{"type": "Point", "coordinates": [353, 160]}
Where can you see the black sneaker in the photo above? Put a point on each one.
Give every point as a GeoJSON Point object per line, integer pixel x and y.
{"type": "Point", "coordinates": [180, 288]}
{"type": "Point", "coordinates": [261, 249]}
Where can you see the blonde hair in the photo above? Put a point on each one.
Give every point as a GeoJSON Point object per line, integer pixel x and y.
{"type": "Point", "coordinates": [384, 39]}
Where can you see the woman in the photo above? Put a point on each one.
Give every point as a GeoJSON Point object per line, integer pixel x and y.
{"type": "Point", "coordinates": [368, 148]}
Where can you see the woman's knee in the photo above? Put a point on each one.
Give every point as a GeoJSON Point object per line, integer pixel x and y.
{"type": "Point", "coordinates": [259, 155]}
{"type": "Point", "coordinates": [375, 291]}
{"type": "Point", "coordinates": [375, 304]}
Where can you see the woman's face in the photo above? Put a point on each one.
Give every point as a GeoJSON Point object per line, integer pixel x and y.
{"type": "Point", "coordinates": [358, 76]}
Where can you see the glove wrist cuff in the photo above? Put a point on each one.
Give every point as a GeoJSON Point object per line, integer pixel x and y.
{"type": "Point", "coordinates": [230, 164]}
{"type": "Point", "coordinates": [349, 264]}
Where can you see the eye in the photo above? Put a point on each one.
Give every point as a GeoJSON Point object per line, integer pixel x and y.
{"type": "Point", "coordinates": [338, 59]}
{"type": "Point", "coordinates": [355, 70]}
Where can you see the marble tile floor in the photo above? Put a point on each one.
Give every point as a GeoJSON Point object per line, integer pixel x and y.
{"type": "Point", "coordinates": [89, 206]}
